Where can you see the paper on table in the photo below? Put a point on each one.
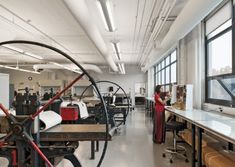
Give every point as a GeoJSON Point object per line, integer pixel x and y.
{"type": "Point", "coordinates": [49, 119]}
{"type": "Point", "coordinates": [83, 110]}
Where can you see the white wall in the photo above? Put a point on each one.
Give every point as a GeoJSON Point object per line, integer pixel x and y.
{"type": "Point", "coordinates": [127, 82]}
{"type": "Point", "coordinates": [150, 85]}
{"type": "Point", "coordinates": [20, 79]}
{"type": "Point", "coordinates": [191, 64]}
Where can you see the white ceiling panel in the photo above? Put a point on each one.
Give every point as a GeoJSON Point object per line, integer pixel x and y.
{"type": "Point", "coordinates": [49, 16]}
{"type": "Point", "coordinates": [76, 43]}
{"type": "Point", "coordinates": [50, 22]}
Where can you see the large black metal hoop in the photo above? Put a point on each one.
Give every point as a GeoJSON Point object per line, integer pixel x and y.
{"type": "Point", "coordinates": [104, 81]}
{"type": "Point", "coordinates": [83, 70]}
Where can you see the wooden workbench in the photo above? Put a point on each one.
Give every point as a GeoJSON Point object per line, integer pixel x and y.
{"type": "Point", "coordinates": [68, 132]}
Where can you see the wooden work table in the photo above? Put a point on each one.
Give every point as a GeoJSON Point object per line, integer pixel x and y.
{"type": "Point", "coordinates": [71, 132]}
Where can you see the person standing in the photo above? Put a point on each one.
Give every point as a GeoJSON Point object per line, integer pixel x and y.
{"type": "Point", "coordinates": [159, 116]}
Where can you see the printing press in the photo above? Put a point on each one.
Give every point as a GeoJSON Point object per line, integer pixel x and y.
{"type": "Point", "coordinates": [117, 103]}
{"type": "Point", "coordinates": [22, 138]}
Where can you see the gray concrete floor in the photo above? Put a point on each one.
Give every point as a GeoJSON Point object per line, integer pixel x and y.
{"type": "Point", "coordinates": [132, 147]}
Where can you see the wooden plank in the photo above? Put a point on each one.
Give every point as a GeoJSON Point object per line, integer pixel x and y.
{"type": "Point", "coordinates": [78, 128]}
{"type": "Point", "coordinates": [66, 132]}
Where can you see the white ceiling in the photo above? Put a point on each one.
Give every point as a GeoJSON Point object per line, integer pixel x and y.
{"type": "Point", "coordinates": [49, 21]}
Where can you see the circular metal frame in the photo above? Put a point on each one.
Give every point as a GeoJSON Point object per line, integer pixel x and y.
{"type": "Point", "coordinates": [104, 81]}
{"type": "Point", "coordinates": [83, 70]}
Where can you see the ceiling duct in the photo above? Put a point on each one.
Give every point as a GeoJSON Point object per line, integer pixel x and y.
{"type": "Point", "coordinates": [79, 10]}
{"type": "Point", "coordinates": [191, 15]}
{"type": "Point", "coordinates": [92, 67]}
{"type": "Point", "coordinates": [159, 22]}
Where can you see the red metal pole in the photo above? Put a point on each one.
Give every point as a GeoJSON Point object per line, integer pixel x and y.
{"type": "Point", "coordinates": [2, 143]}
{"type": "Point", "coordinates": [41, 153]}
{"type": "Point", "coordinates": [4, 110]}
{"type": "Point", "coordinates": [56, 96]}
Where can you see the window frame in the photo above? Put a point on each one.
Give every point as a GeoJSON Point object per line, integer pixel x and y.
{"type": "Point", "coordinates": [159, 71]}
{"type": "Point", "coordinates": [217, 77]}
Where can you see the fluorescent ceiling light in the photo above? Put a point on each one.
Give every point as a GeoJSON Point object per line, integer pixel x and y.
{"type": "Point", "coordinates": [102, 15]}
{"type": "Point", "coordinates": [116, 48]}
{"type": "Point", "coordinates": [122, 68]}
{"type": "Point", "coordinates": [33, 55]}
{"type": "Point", "coordinates": [67, 68]}
{"type": "Point", "coordinates": [19, 69]}
{"type": "Point", "coordinates": [23, 52]}
{"type": "Point", "coordinates": [13, 48]}
{"type": "Point", "coordinates": [106, 14]}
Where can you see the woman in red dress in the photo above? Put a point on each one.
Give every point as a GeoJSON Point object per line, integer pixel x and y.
{"type": "Point", "coordinates": [159, 116]}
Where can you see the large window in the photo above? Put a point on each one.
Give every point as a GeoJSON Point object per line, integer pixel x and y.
{"type": "Point", "coordinates": [219, 56]}
{"type": "Point", "coordinates": [165, 71]}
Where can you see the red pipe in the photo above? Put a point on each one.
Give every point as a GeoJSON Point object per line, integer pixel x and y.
{"type": "Point", "coordinates": [4, 110]}
{"type": "Point", "coordinates": [2, 143]}
{"type": "Point", "coordinates": [56, 96]}
{"type": "Point", "coordinates": [41, 153]}
{"type": "Point", "coordinates": [14, 158]}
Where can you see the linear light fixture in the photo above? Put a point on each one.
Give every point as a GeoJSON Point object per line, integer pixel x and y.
{"type": "Point", "coordinates": [19, 69]}
{"type": "Point", "coordinates": [65, 67]}
{"type": "Point", "coordinates": [106, 14]}
{"type": "Point", "coordinates": [116, 48]}
{"type": "Point", "coordinates": [23, 52]}
{"type": "Point", "coordinates": [122, 68]}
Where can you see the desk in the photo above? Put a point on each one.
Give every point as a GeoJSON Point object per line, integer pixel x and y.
{"type": "Point", "coordinates": [224, 129]}
{"type": "Point", "coordinates": [220, 125]}
{"type": "Point", "coordinates": [81, 132]}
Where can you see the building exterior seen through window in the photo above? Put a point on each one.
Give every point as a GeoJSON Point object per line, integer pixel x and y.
{"type": "Point", "coordinates": [220, 74]}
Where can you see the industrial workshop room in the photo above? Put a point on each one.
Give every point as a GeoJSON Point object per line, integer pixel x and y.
{"type": "Point", "coordinates": [117, 83]}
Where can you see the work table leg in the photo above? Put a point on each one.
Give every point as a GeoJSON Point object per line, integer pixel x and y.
{"type": "Point", "coordinates": [199, 153]}
{"type": "Point", "coordinates": [92, 149]}
{"type": "Point", "coordinates": [193, 146]}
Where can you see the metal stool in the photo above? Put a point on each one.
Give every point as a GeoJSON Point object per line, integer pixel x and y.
{"type": "Point", "coordinates": [175, 150]}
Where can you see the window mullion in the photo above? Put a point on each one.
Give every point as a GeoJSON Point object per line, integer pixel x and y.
{"type": "Point", "coordinates": [233, 37]}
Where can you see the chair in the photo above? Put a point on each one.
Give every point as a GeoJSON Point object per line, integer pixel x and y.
{"type": "Point", "coordinates": [175, 149]}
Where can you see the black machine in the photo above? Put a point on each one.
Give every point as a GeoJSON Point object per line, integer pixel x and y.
{"type": "Point", "coordinates": [26, 104]}
{"type": "Point", "coordinates": [23, 148]}
{"type": "Point", "coordinates": [55, 106]}
{"type": "Point", "coordinates": [115, 105]}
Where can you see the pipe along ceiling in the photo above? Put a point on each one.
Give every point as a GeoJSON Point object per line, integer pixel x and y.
{"type": "Point", "coordinates": [72, 67]}
{"type": "Point", "coordinates": [191, 15]}
{"type": "Point", "coordinates": [79, 10]}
